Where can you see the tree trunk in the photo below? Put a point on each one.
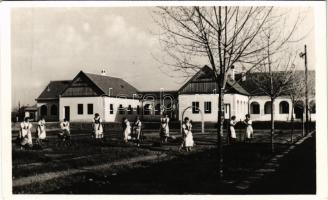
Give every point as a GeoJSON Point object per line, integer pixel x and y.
{"type": "Point", "coordinates": [292, 125]}
{"type": "Point", "coordinates": [220, 130]}
{"type": "Point", "coordinates": [272, 125]}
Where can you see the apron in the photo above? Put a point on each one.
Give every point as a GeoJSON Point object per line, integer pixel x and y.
{"type": "Point", "coordinates": [97, 127]}
{"type": "Point", "coordinates": [188, 139]}
{"type": "Point", "coordinates": [127, 130]}
{"type": "Point", "coordinates": [42, 130]}
{"type": "Point", "coordinates": [232, 130]}
{"type": "Point", "coordinates": [249, 130]}
{"type": "Point", "coordinates": [137, 128]}
{"type": "Point", "coordinates": [26, 133]}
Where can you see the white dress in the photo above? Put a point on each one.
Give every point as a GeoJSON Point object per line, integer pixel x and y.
{"type": "Point", "coordinates": [188, 138]}
{"type": "Point", "coordinates": [42, 129]}
{"type": "Point", "coordinates": [65, 127]}
{"type": "Point", "coordinates": [127, 130]}
{"type": "Point", "coordinates": [137, 128]}
{"type": "Point", "coordinates": [167, 129]}
{"type": "Point", "coordinates": [232, 129]}
{"type": "Point", "coordinates": [249, 129]}
{"type": "Point", "coordinates": [98, 128]}
{"type": "Point", "coordinates": [26, 134]}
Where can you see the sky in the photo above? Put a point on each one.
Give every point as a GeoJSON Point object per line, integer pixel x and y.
{"type": "Point", "coordinates": [56, 43]}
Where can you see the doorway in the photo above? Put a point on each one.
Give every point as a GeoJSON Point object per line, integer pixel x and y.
{"type": "Point", "coordinates": [67, 112]}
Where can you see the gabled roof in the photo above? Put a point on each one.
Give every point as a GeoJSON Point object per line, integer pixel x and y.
{"type": "Point", "coordinates": [53, 90]}
{"type": "Point", "coordinates": [253, 88]}
{"type": "Point", "coordinates": [205, 74]}
{"type": "Point", "coordinates": [118, 86]}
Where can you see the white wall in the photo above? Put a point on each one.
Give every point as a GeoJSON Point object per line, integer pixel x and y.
{"type": "Point", "coordinates": [72, 102]}
{"type": "Point", "coordinates": [277, 115]}
{"type": "Point", "coordinates": [239, 105]}
{"type": "Point", "coordinates": [116, 117]}
{"type": "Point", "coordinates": [231, 99]}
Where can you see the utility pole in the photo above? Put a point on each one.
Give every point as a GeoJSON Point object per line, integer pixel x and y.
{"type": "Point", "coordinates": [304, 54]}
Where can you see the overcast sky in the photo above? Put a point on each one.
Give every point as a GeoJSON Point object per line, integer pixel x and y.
{"type": "Point", "coordinates": [56, 43]}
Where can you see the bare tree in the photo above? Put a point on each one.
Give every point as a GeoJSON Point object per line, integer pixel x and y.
{"type": "Point", "coordinates": [296, 90]}
{"type": "Point", "coordinates": [222, 36]}
{"type": "Point", "coordinates": [295, 93]}
{"type": "Point", "coordinates": [275, 73]}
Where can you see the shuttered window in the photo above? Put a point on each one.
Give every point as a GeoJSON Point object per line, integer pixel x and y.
{"type": "Point", "coordinates": [207, 107]}
{"type": "Point", "coordinates": [195, 107]}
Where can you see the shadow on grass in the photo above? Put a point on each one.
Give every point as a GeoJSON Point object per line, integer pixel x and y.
{"type": "Point", "coordinates": [188, 173]}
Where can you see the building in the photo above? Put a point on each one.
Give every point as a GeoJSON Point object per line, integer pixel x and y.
{"type": "Point", "coordinates": [198, 98]}
{"type": "Point", "coordinates": [113, 98]}
{"type": "Point", "coordinates": [48, 100]}
{"type": "Point", "coordinates": [260, 103]}
{"type": "Point", "coordinates": [87, 94]}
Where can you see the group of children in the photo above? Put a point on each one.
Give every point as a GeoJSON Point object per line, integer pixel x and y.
{"type": "Point", "coordinates": [249, 129]}
{"type": "Point", "coordinates": [129, 132]}
{"type": "Point", "coordinates": [25, 140]}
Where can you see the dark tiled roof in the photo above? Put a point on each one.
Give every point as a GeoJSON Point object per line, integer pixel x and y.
{"type": "Point", "coordinates": [253, 88]}
{"type": "Point", "coordinates": [53, 90]}
{"type": "Point", "coordinates": [118, 85]}
{"type": "Point", "coordinates": [231, 84]}
{"type": "Point", "coordinates": [206, 74]}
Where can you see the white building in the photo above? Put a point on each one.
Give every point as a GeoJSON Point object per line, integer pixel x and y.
{"type": "Point", "coordinates": [114, 98]}
{"type": "Point", "coordinates": [198, 98]}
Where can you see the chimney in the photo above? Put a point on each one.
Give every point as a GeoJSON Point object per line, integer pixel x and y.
{"type": "Point", "coordinates": [232, 76]}
{"type": "Point", "coordinates": [103, 72]}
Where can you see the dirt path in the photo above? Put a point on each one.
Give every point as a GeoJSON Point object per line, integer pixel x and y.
{"type": "Point", "coordinates": [52, 175]}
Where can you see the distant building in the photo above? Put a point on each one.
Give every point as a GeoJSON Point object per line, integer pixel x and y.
{"type": "Point", "coordinates": [48, 100]}
{"type": "Point", "coordinates": [260, 106]}
{"type": "Point", "coordinates": [113, 98]}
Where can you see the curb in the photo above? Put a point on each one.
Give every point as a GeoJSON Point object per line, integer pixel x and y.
{"type": "Point", "coordinates": [270, 167]}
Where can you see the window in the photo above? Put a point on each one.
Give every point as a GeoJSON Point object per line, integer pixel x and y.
{"type": "Point", "coordinates": [207, 107]}
{"type": "Point", "coordinates": [53, 110]}
{"type": "Point", "coordinates": [111, 109]}
{"type": "Point", "coordinates": [255, 108]}
{"type": "Point", "coordinates": [80, 109]}
{"type": "Point", "coordinates": [147, 109]}
{"type": "Point", "coordinates": [195, 107]}
{"type": "Point", "coordinates": [158, 109]}
{"type": "Point", "coordinates": [284, 107]}
{"type": "Point", "coordinates": [267, 107]}
{"type": "Point", "coordinates": [129, 110]}
{"type": "Point", "coordinates": [120, 109]}
{"type": "Point", "coordinates": [90, 109]}
{"type": "Point", "coordinates": [44, 110]}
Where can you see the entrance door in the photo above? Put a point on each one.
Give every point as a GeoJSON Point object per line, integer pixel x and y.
{"type": "Point", "coordinates": [67, 112]}
{"type": "Point", "coordinates": [227, 111]}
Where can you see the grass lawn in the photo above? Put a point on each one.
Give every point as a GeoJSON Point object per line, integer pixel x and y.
{"type": "Point", "coordinates": [174, 173]}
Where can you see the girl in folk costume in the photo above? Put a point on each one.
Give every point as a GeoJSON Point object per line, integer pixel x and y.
{"type": "Point", "coordinates": [97, 127]}
{"type": "Point", "coordinates": [126, 129]}
{"type": "Point", "coordinates": [188, 140]}
{"type": "Point", "coordinates": [249, 128]}
{"type": "Point", "coordinates": [25, 133]}
{"type": "Point", "coordinates": [137, 129]}
{"type": "Point", "coordinates": [164, 129]}
{"type": "Point", "coordinates": [41, 130]}
{"type": "Point", "coordinates": [65, 135]}
{"type": "Point", "coordinates": [232, 124]}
